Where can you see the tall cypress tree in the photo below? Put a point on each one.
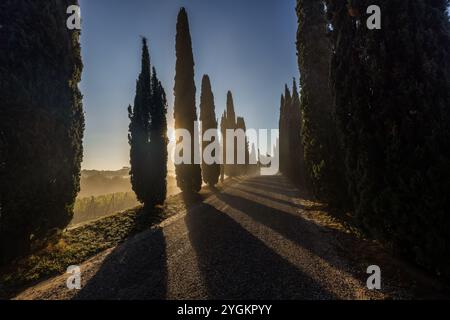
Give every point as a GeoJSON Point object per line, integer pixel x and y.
{"type": "Point", "coordinates": [391, 93]}
{"type": "Point", "coordinates": [139, 132]}
{"type": "Point", "coordinates": [148, 136]}
{"type": "Point", "coordinates": [189, 176]}
{"type": "Point", "coordinates": [223, 130]}
{"type": "Point", "coordinates": [210, 172]}
{"type": "Point", "coordinates": [284, 156]}
{"type": "Point", "coordinates": [298, 170]}
{"type": "Point", "coordinates": [158, 141]}
{"type": "Point", "coordinates": [41, 121]}
{"type": "Point", "coordinates": [323, 157]}
{"type": "Point", "coordinates": [288, 163]}
{"type": "Point", "coordinates": [242, 169]}
{"type": "Point", "coordinates": [230, 124]}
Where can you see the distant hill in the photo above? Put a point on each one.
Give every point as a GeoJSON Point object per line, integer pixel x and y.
{"type": "Point", "coordinates": [96, 183]}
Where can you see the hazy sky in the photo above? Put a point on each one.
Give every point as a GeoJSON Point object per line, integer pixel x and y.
{"type": "Point", "coordinates": [246, 46]}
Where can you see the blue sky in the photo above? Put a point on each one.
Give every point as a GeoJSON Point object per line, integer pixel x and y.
{"type": "Point", "coordinates": [246, 46]}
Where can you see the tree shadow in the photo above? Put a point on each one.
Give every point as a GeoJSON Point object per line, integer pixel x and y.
{"type": "Point", "coordinates": [280, 183]}
{"type": "Point", "coordinates": [285, 202]}
{"type": "Point", "coordinates": [363, 252]}
{"type": "Point", "coordinates": [295, 228]}
{"type": "Point", "coordinates": [260, 185]}
{"type": "Point", "coordinates": [213, 189]}
{"type": "Point", "coordinates": [136, 269]}
{"type": "Point", "coordinates": [192, 199]}
{"type": "Point", "coordinates": [236, 265]}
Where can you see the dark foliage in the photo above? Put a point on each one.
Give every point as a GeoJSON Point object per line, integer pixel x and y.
{"type": "Point", "coordinates": [324, 164]}
{"type": "Point", "coordinates": [228, 122]}
{"type": "Point", "coordinates": [158, 141]}
{"type": "Point", "coordinates": [210, 172]}
{"type": "Point", "coordinates": [148, 136]}
{"type": "Point", "coordinates": [41, 122]}
{"type": "Point", "coordinates": [242, 169]}
{"type": "Point", "coordinates": [292, 163]}
{"type": "Point", "coordinates": [298, 170]}
{"type": "Point", "coordinates": [223, 128]}
{"type": "Point", "coordinates": [391, 89]}
{"type": "Point", "coordinates": [283, 136]}
{"type": "Point", "coordinates": [189, 176]}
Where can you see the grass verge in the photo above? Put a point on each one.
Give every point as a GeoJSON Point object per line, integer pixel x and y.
{"type": "Point", "coordinates": [76, 245]}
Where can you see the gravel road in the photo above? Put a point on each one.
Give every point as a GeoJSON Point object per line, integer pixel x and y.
{"type": "Point", "coordinates": [254, 239]}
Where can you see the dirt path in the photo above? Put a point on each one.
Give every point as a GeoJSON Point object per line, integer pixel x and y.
{"type": "Point", "coordinates": [256, 239]}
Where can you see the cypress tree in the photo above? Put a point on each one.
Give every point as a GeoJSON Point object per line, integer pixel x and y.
{"type": "Point", "coordinates": [298, 171]}
{"type": "Point", "coordinates": [242, 169]}
{"type": "Point", "coordinates": [322, 154]}
{"type": "Point", "coordinates": [223, 129]}
{"type": "Point", "coordinates": [139, 132]}
{"type": "Point", "coordinates": [287, 152]}
{"type": "Point", "coordinates": [391, 93]}
{"type": "Point", "coordinates": [189, 177]}
{"type": "Point", "coordinates": [41, 121]}
{"type": "Point", "coordinates": [158, 141]}
{"type": "Point", "coordinates": [284, 156]}
{"type": "Point", "coordinates": [210, 172]}
{"type": "Point", "coordinates": [148, 136]}
{"type": "Point", "coordinates": [230, 124]}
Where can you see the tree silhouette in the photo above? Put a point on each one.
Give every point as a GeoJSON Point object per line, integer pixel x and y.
{"type": "Point", "coordinates": [242, 169]}
{"type": "Point", "coordinates": [298, 170]}
{"type": "Point", "coordinates": [391, 92]}
{"type": "Point", "coordinates": [158, 141]}
{"type": "Point", "coordinates": [189, 176]}
{"type": "Point", "coordinates": [139, 131]}
{"type": "Point", "coordinates": [148, 136]}
{"type": "Point", "coordinates": [283, 134]}
{"type": "Point", "coordinates": [210, 172]}
{"type": "Point", "coordinates": [322, 152]}
{"type": "Point", "coordinates": [41, 122]}
{"type": "Point", "coordinates": [229, 123]}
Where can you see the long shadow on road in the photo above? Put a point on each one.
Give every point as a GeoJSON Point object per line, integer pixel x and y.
{"type": "Point", "coordinates": [292, 227]}
{"type": "Point", "coordinates": [277, 200]}
{"type": "Point", "coordinates": [134, 270]}
{"type": "Point", "coordinates": [236, 265]}
{"type": "Point", "coordinates": [270, 187]}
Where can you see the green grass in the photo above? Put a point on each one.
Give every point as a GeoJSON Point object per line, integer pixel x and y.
{"type": "Point", "coordinates": [74, 246]}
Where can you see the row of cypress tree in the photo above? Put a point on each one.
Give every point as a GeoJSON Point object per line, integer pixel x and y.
{"type": "Point", "coordinates": [211, 172]}
{"type": "Point", "coordinates": [41, 122]}
{"type": "Point", "coordinates": [189, 176]}
{"type": "Point", "coordinates": [148, 124]}
{"type": "Point", "coordinates": [375, 119]}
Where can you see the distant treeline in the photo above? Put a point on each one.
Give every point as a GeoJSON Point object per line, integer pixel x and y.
{"type": "Point", "coordinates": [90, 208]}
{"type": "Point", "coordinates": [374, 120]}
